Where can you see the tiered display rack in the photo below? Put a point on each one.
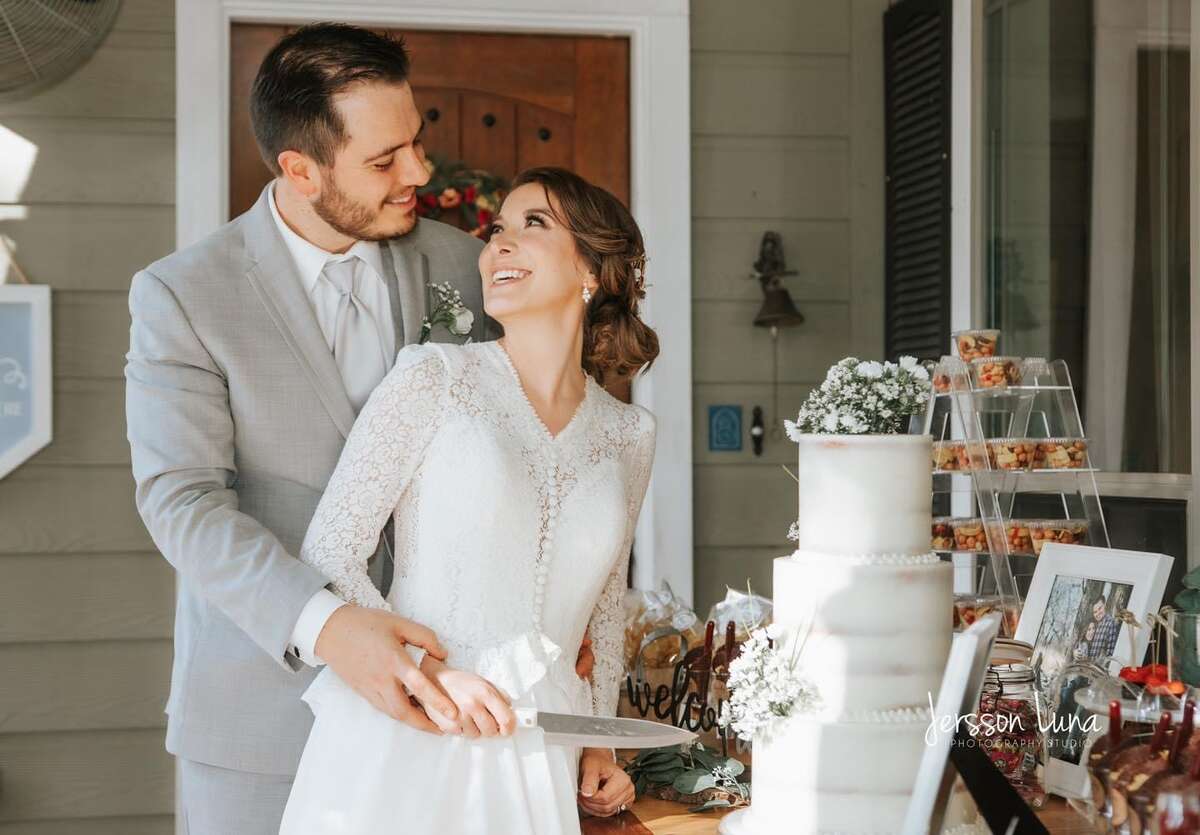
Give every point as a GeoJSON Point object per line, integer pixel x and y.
{"type": "Point", "coordinates": [1040, 407]}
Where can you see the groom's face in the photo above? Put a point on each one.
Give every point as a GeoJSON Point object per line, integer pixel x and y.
{"type": "Point", "coordinates": [369, 193]}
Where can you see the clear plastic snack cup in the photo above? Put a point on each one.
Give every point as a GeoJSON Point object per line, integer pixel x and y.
{"type": "Point", "coordinates": [1066, 531]}
{"type": "Point", "coordinates": [969, 535]}
{"type": "Point", "coordinates": [950, 374]}
{"type": "Point", "coordinates": [949, 456]}
{"type": "Point", "coordinates": [1017, 533]}
{"type": "Point", "coordinates": [976, 343]}
{"type": "Point", "coordinates": [1012, 453]}
{"type": "Point", "coordinates": [996, 372]}
{"type": "Point", "coordinates": [941, 377]}
{"type": "Point", "coordinates": [1062, 453]}
{"type": "Point", "coordinates": [943, 533]}
{"type": "Point", "coordinates": [969, 608]}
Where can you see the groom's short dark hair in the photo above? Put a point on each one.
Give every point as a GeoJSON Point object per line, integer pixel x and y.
{"type": "Point", "coordinates": [291, 104]}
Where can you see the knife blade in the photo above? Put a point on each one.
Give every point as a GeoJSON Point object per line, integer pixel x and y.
{"type": "Point", "coordinates": [601, 732]}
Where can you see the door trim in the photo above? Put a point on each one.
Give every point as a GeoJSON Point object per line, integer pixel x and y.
{"type": "Point", "coordinates": [660, 174]}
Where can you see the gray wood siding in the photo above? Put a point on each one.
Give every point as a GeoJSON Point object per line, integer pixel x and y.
{"type": "Point", "coordinates": [787, 134]}
{"type": "Point", "coordinates": [85, 635]}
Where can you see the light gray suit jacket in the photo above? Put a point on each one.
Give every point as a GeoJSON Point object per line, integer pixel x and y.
{"type": "Point", "coordinates": [236, 417]}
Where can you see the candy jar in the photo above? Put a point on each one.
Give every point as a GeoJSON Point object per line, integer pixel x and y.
{"type": "Point", "coordinates": [1009, 732]}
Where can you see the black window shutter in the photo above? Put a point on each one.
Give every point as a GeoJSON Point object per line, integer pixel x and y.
{"type": "Point", "coordinates": [916, 67]}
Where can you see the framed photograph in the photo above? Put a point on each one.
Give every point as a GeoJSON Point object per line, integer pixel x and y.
{"type": "Point", "coordinates": [25, 373]}
{"type": "Point", "coordinates": [1073, 613]}
{"type": "Point", "coordinates": [958, 697]}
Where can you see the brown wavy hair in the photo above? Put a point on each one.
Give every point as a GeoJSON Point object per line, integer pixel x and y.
{"type": "Point", "coordinates": [616, 342]}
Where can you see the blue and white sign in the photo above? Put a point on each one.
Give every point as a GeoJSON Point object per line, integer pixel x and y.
{"type": "Point", "coordinates": [724, 428]}
{"type": "Point", "coordinates": [25, 374]}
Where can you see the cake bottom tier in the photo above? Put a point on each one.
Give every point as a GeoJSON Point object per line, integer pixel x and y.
{"type": "Point", "coordinates": [812, 775]}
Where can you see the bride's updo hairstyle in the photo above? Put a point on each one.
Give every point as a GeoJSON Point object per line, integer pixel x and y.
{"type": "Point", "coordinates": [616, 342]}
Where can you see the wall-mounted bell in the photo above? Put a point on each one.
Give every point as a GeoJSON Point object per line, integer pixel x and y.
{"type": "Point", "coordinates": [778, 310]}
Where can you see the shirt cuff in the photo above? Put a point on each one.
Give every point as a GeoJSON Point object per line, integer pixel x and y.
{"type": "Point", "coordinates": [310, 623]}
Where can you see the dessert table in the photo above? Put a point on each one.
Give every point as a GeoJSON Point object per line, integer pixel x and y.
{"type": "Point", "coordinates": [650, 816]}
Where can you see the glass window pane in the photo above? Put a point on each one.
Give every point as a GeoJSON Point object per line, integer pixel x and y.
{"type": "Point", "coordinates": [1087, 184]}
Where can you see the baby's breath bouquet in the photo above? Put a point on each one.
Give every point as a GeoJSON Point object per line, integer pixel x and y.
{"type": "Point", "coordinates": [863, 397]}
{"type": "Point", "coordinates": [766, 685]}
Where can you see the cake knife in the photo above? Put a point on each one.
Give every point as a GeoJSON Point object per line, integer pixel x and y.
{"type": "Point", "coordinates": [600, 732]}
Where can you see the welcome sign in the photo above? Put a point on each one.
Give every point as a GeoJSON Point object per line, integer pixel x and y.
{"type": "Point", "coordinates": [25, 373]}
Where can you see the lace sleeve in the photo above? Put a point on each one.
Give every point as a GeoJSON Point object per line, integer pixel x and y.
{"type": "Point", "coordinates": [607, 627]}
{"type": "Point", "coordinates": [385, 447]}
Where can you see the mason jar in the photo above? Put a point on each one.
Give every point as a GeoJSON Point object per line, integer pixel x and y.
{"type": "Point", "coordinates": [1008, 730]}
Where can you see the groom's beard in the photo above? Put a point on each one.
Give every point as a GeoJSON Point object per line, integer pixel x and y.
{"type": "Point", "coordinates": [355, 220]}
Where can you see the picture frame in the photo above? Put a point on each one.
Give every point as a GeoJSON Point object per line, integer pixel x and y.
{"type": "Point", "coordinates": [1064, 621]}
{"type": "Point", "coordinates": [26, 373]}
{"type": "Point", "coordinates": [958, 696]}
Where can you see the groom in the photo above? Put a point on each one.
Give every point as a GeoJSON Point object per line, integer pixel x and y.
{"type": "Point", "coordinates": [250, 355]}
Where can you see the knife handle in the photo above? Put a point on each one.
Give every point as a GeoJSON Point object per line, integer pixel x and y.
{"type": "Point", "coordinates": [526, 717]}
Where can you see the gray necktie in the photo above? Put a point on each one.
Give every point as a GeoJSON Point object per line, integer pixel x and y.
{"type": "Point", "coordinates": [357, 346]}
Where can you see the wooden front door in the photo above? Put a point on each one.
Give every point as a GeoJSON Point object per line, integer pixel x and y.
{"type": "Point", "coordinates": [501, 103]}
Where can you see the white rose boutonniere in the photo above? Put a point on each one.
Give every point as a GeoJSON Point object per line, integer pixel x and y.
{"type": "Point", "coordinates": [463, 320]}
{"type": "Point", "coordinates": [446, 309]}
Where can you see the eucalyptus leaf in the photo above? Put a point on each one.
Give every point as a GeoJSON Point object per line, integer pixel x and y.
{"type": "Point", "coordinates": [735, 767]}
{"type": "Point", "coordinates": [694, 780]}
{"type": "Point", "coordinates": [1188, 600]}
{"type": "Point", "coordinates": [656, 757]}
{"type": "Point", "coordinates": [664, 776]}
{"type": "Point", "coordinates": [1191, 580]}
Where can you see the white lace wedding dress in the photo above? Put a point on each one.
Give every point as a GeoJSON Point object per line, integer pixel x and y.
{"type": "Point", "coordinates": [510, 544]}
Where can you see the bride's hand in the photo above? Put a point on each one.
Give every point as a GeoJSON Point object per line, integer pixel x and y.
{"type": "Point", "coordinates": [604, 787]}
{"type": "Point", "coordinates": [483, 709]}
{"type": "Point", "coordinates": [586, 661]}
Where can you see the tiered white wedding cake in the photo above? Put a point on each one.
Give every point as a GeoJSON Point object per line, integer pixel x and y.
{"type": "Point", "coordinates": [867, 609]}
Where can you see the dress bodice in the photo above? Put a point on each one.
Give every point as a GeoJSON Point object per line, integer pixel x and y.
{"type": "Point", "coordinates": [511, 543]}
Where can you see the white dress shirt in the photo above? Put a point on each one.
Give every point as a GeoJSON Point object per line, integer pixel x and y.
{"type": "Point", "coordinates": [310, 260]}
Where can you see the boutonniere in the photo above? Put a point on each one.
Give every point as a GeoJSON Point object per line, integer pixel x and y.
{"type": "Point", "coordinates": [446, 308]}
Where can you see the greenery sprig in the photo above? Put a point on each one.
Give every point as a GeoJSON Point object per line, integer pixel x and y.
{"type": "Point", "coordinates": [694, 774]}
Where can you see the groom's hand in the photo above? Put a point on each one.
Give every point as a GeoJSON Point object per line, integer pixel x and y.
{"type": "Point", "coordinates": [366, 648]}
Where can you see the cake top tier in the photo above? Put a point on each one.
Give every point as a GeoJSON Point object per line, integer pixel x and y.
{"type": "Point", "coordinates": [864, 494]}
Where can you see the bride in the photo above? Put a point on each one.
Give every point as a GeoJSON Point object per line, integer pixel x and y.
{"type": "Point", "coordinates": [515, 481]}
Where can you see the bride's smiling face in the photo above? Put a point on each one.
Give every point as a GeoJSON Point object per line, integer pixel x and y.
{"type": "Point", "coordinates": [531, 265]}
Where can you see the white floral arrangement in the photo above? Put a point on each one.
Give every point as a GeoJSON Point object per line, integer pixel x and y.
{"type": "Point", "coordinates": [446, 309]}
{"type": "Point", "coordinates": [766, 685]}
{"type": "Point", "coordinates": [863, 397]}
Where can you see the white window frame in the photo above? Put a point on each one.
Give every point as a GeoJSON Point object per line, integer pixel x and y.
{"type": "Point", "coordinates": [966, 249]}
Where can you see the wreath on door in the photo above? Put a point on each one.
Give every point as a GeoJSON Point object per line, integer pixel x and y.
{"type": "Point", "coordinates": [466, 197]}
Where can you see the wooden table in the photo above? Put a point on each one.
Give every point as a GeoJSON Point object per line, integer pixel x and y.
{"type": "Point", "coordinates": [660, 817]}
{"type": "Point", "coordinates": [650, 816]}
